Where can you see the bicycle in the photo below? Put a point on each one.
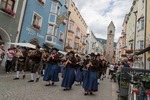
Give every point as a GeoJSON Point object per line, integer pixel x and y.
{"type": "Point", "coordinates": [138, 89]}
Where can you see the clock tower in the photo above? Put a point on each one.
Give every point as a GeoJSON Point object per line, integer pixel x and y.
{"type": "Point", "coordinates": [110, 42]}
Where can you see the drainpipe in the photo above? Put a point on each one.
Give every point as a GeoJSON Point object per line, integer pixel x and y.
{"type": "Point", "coordinates": [23, 19]}
{"type": "Point", "coordinates": [145, 33]}
{"type": "Point", "coordinates": [135, 30]}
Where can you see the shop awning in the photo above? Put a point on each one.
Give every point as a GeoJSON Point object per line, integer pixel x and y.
{"type": "Point", "coordinates": [142, 51]}
{"type": "Point", "coordinates": [28, 45]}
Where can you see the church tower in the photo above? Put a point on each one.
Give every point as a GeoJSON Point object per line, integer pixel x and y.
{"type": "Point", "coordinates": [110, 42]}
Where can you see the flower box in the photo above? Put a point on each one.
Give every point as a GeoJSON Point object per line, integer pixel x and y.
{"type": "Point", "coordinates": [83, 43]}
{"type": "Point", "coordinates": [9, 11]}
{"type": "Point", "coordinates": [61, 40]}
{"type": "Point", "coordinates": [41, 1]}
{"type": "Point", "coordinates": [77, 37]}
{"type": "Point", "coordinates": [129, 51]}
{"type": "Point", "coordinates": [68, 47]}
{"type": "Point", "coordinates": [36, 26]}
{"type": "Point", "coordinates": [123, 55]}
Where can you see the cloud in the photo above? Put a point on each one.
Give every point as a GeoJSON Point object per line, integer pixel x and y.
{"type": "Point", "coordinates": [99, 13]}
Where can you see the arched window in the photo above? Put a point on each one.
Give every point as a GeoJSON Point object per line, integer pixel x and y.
{"type": "Point", "coordinates": [110, 32]}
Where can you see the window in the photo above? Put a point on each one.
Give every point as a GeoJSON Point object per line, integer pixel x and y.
{"type": "Point", "coordinates": [37, 21]}
{"type": "Point", "coordinates": [50, 29]}
{"type": "Point", "coordinates": [81, 39]}
{"type": "Point", "coordinates": [76, 46]}
{"type": "Point", "coordinates": [69, 42]}
{"type": "Point", "coordinates": [49, 38]}
{"type": "Point", "coordinates": [8, 6]}
{"type": "Point", "coordinates": [78, 32]}
{"type": "Point", "coordinates": [61, 37]}
{"type": "Point", "coordinates": [42, 2]}
{"type": "Point", "coordinates": [52, 18]}
{"type": "Point", "coordinates": [71, 26]}
{"type": "Point", "coordinates": [55, 7]}
{"type": "Point", "coordinates": [141, 24]}
{"type": "Point", "coordinates": [66, 3]}
{"type": "Point", "coordinates": [54, 12]}
{"type": "Point", "coordinates": [131, 46]}
{"type": "Point", "coordinates": [110, 32]}
{"type": "Point", "coordinates": [93, 45]}
{"type": "Point", "coordinates": [142, 4]}
{"type": "Point", "coordinates": [141, 44]}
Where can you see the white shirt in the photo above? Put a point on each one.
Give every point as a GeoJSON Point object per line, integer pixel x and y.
{"type": "Point", "coordinates": [111, 67]}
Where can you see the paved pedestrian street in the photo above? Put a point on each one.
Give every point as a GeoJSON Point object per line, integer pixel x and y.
{"type": "Point", "coordinates": [22, 90]}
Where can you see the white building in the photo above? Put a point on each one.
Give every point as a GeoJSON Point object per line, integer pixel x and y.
{"type": "Point", "coordinates": [93, 44]}
{"type": "Point", "coordinates": [118, 50]}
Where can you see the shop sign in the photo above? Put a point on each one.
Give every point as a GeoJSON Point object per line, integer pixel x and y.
{"type": "Point", "coordinates": [34, 33]}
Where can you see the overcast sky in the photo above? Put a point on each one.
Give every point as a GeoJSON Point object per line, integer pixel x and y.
{"type": "Point", "coordinates": [99, 13]}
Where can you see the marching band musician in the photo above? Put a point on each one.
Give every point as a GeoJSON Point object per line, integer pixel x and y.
{"type": "Point", "coordinates": [100, 67]}
{"type": "Point", "coordinates": [21, 56]}
{"type": "Point", "coordinates": [35, 59]}
{"type": "Point", "coordinates": [79, 71]}
{"type": "Point", "coordinates": [69, 71]}
{"type": "Point", "coordinates": [52, 69]}
{"type": "Point", "coordinates": [44, 60]}
{"type": "Point", "coordinates": [90, 84]}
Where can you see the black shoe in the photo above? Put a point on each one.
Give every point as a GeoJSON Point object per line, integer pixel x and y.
{"type": "Point", "coordinates": [91, 93]}
{"type": "Point", "coordinates": [65, 89]}
{"type": "Point", "coordinates": [48, 84]}
{"type": "Point", "coordinates": [37, 79]}
{"type": "Point", "coordinates": [31, 81]}
{"type": "Point", "coordinates": [42, 75]}
{"type": "Point", "coordinates": [117, 91]}
{"type": "Point", "coordinates": [52, 83]}
{"type": "Point", "coordinates": [16, 78]}
{"type": "Point", "coordinates": [86, 94]}
{"type": "Point", "coordinates": [24, 76]}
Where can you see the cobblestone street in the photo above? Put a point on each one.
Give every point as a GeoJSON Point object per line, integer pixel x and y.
{"type": "Point", "coordinates": [22, 90]}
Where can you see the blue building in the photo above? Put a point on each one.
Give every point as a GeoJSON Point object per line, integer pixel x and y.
{"type": "Point", "coordinates": [45, 22]}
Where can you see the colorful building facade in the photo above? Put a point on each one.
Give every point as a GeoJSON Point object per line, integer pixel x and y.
{"type": "Point", "coordinates": [11, 15]}
{"type": "Point", "coordinates": [95, 45]}
{"type": "Point", "coordinates": [41, 24]}
{"type": "Point", "coordinates": [130, 27]}
{"type": "Point", "coordinates": [77, 31]}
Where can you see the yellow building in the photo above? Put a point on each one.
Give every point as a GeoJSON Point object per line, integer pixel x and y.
{"type": "Point", "coordinates": [130, 27]}
{"type": "Point", "coordinates": [148, 34]}
{"type": "Point", "coordinates": [77, 31]}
